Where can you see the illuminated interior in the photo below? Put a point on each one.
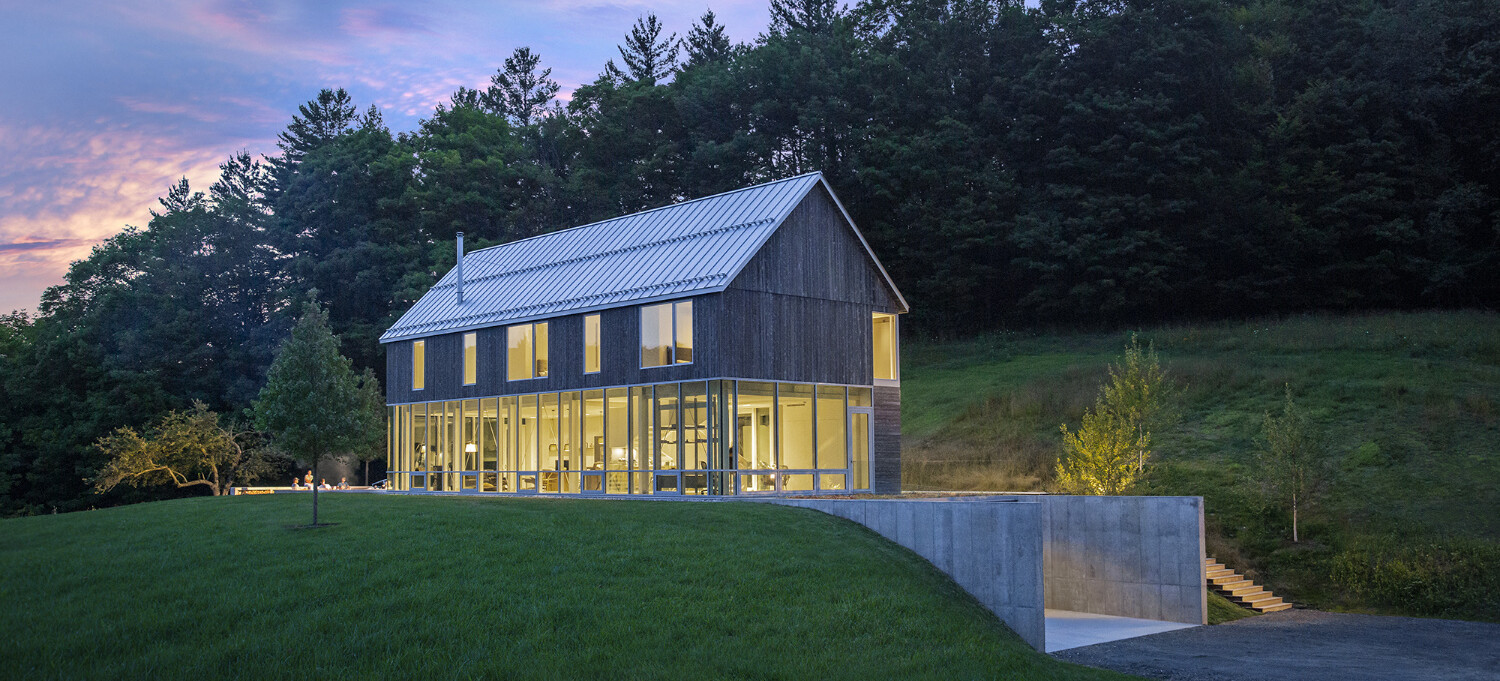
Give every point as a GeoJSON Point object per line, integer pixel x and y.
{"type": "Point", "coordinates": [695, 437]}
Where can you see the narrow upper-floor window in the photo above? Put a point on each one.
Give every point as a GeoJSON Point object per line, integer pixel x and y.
{"type": "Point", "coordinates": [471, 358]}
{"type": "Point", "coordinates": [591, 344]}
{"type": "Point", "coordinates": [667, 334]}
{"type": "Point", "coordinates": [418, 365]}
{"type": "Point", "coordinates": [885, 347]}
{"type": "Point", "coordinates": [526, 351]}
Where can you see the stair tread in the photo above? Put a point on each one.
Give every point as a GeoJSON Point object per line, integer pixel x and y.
{"type": "Point", "coordinates": [1229, 582]}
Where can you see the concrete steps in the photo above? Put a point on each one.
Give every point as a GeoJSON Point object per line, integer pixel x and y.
{"type": "Point", "coordinates": [1237, 589]}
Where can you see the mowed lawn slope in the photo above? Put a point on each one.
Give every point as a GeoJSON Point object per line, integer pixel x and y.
{"type": "Point", "coordinates": [410, 587]}
{"type": "Point", "coordinates": [1409, 403]}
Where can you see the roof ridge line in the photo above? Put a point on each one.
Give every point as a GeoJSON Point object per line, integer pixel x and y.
{"type": "Point", "coordinates": [652, 210]}
{"type": "Point", "coordinates": [603, 254]}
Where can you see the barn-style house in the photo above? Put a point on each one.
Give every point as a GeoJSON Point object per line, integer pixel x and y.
{"type": "Point", "coordinates": [742, 343]}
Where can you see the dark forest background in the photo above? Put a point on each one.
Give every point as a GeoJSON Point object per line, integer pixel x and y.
{"type": "Point", "coordinates": [1084, 163]}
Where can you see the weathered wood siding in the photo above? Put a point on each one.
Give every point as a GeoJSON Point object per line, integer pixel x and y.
{"type": "Point", "coordinates": [885, 451]}
{"type": "Point", "coordinates": [815, 254]}
{"type": "Point", "coordinates": [790, 338]}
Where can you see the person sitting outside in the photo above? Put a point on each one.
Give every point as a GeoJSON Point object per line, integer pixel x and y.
{"type": "Point", "coordinates": [343, 483]}
{"type": "Point", "coordinates": [296, 484]}
{"type": "Point", "coordinates": [325, 484]}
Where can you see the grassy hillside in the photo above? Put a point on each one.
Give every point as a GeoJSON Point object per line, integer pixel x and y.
{"type": "Point", "coordinates": [408, 587]}
{"type": "Point", "coordinates": [1410, 521]}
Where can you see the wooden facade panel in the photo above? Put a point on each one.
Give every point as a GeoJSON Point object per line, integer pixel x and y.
{"type": "Point", "coordinates": [815, 254]}
{"type": "Point", "coordinates": [790, 338]}
{"type": "Point", "coordinates": [885, 451]}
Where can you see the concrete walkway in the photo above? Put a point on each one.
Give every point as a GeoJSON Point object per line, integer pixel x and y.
{"type": "Point", "coordinates": [1067, 629]}
{"type": "Point", "coordinates": [1297, 645]}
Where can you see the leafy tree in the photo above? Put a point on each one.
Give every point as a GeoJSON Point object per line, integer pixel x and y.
{"type": "Point", "coordinates": [313, 404]}
{"type": "Point", "coordinates": [1139, 392]}
{"type": "Point", "coordinates": [1100, 458]}
{"type": "Point", "coordinates": [1291, 459]}
{"type": "Point", "coordinates": [1116, 433]}
{"type": "Point", "coordinates": [372, 401]}
{"type": "Point", "coordinates": [184, 449]}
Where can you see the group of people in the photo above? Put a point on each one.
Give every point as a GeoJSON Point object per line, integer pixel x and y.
{"type": "Point", "coordinates": [308, 484]}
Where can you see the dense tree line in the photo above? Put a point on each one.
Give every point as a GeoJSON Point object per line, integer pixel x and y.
{"type": "Point", "coordinates": [1084, 162]}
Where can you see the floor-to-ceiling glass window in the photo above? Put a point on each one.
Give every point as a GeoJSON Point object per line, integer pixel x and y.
{"type": "Point", "coordinates": [526, 443]}
{"type": "Point", "coordinates": [833, 450]}
{"type": "Point", "coordinates": [715, 437]}
{"type": "Point", "coordinates": [509, 455]}
{"type": "Point", "coordinates": [643, 436]}
{"type": "Point", "coordinates": [548, 431]}
{"type": "Point", "coordinates": [668, 440]}
{"type": "Point", "coordinates": [592, 465]}
{"type": "Point", "coordinates": [694, 447]}
{"type": "Point", "coordinates": [860, 414]}
{"type": "Point", "coordinates": [468, 447]}
{"type": "Point", "coordinates": [489, 445]}
{"type": "Point", "coordinates": [617, 441]}
{"type": "Point", "coordinates": [419, 450]}
{"type": "Point", "coordinates": [794, 417]}
{"type": "Point", "coordinates": [756, 435]}
{"type": "Point", "coordinates": [568, 425]}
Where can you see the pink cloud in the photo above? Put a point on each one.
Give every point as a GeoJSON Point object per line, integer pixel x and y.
{"type": "Point", "coordinates": [66, 191]}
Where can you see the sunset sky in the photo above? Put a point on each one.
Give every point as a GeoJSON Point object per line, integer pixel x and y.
{"type": "Point", "coordinates": [103, 104]}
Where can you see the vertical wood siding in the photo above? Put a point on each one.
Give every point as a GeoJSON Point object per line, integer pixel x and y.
{"type": "Point", "coordinates": [885, 451]}
{"type": "Point", "coordinates": [815, 254]}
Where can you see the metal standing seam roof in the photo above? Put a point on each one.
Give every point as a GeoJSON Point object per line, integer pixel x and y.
{"type": "Point", "coordinates": [688, 248]}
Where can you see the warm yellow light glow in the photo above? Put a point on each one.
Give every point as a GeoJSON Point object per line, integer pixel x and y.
{"type": "Point", "coordinates": [418, 365]}
{"type": "Point", "coordinates": [471, 358]}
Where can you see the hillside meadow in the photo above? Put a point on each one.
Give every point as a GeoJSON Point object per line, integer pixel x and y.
{"type": "Point", "coordinates": [1409, 517]}
{"type": "Point", "coordinates": [444, 587]}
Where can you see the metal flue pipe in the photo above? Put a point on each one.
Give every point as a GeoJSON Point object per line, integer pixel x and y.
{"type": "Point", "coordinates": [460, 271]}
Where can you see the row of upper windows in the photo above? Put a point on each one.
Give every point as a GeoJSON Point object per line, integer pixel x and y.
{"type": "Point", "coordinates": [666, 339]}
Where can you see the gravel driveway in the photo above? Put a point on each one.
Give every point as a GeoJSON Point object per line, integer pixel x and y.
{"type": "Point", "coordinates": [1293, 645]}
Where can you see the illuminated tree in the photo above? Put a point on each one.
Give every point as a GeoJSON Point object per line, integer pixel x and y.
{"type": "Point", "coordinates": [183, 449]}
{"type": "Point", "coordinates": [1108, 453]}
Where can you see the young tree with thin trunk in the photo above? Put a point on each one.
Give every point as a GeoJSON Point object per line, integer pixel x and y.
{"type": "Point", "coordinates": [185, 449]}
{"type": "Point", "coordinates": [1291, 459]}
{"type": "Point", "coordinates": [1139, 391]}
{"type": "Point", "coordinates": [313, 404]}
{"type": "Point", "coordinates": [1108, 453]}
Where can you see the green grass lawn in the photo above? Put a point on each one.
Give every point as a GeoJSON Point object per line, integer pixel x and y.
{"type": "Point", "coordinates": [412, 587]}
{"type": "Point", "coordinates": [1410, 403]}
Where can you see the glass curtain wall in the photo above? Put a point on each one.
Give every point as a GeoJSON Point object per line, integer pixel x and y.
{"type": "Point", "coordinates": [696, 437]}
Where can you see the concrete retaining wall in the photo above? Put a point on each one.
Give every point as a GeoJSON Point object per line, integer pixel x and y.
{"type": "Point", "coordinates": [992, 548]}
{"type": "Point", "coordinates": [1127, 556]}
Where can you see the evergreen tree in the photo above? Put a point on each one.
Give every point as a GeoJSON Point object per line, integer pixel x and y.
{"type": "Point", "coordinates": [707, 42]}
{"type": "Point", "coordinates": [518, 91]}
{"type": "Point", "coordinates": [648, 57]}
{"type": "Point", "coordinates": [812, 16]}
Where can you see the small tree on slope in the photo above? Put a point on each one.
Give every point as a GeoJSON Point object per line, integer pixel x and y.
{"type": "Point", "coordinates": [313, 404]}
{"type": "Point", "coordinates": [1291, 459]}
{"type": "Point", "coordinates": [1108, 453]}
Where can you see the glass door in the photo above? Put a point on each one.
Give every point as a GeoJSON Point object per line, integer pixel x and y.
{"type": "Point", "coordinates": [861, 432]}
